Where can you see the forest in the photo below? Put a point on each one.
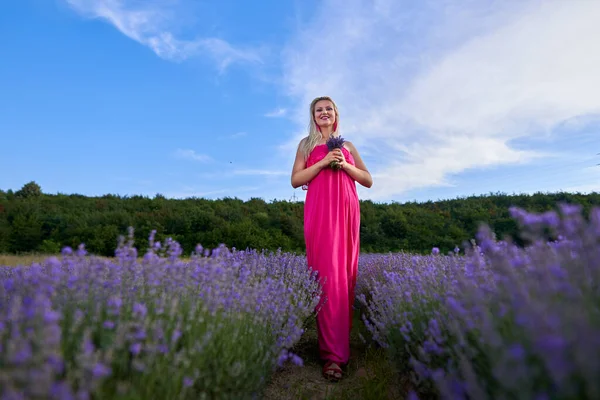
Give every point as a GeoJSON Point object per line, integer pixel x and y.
{"type": "Point", "coordinates": [33, 221]}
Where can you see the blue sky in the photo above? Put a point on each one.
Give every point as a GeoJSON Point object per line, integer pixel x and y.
{"type": "Point", "coordinates": [209, 99]}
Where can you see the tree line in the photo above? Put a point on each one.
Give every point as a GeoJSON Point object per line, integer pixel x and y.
{"type": "Point", "coordinates": [31, 221]}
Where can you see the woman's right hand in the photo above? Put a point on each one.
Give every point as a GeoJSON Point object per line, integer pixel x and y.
{"type": "Point", "coordinates": [329, 158]}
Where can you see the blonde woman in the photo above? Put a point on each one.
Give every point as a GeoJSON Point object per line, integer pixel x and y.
{"type": "Point", "coordinates": [331, 227]}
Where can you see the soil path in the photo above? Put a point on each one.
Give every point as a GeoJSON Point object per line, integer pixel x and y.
{"type": "Point", "coordinates": [367, 375]}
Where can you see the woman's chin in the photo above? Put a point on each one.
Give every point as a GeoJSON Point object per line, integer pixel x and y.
{"type": "Point", "coordinates": [325, 124]}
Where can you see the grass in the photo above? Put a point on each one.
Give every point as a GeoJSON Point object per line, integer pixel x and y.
{"type": "Point", "coordinates": [12, 260]}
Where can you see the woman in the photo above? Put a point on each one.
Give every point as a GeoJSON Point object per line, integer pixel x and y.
{"type": "Point", "coordinates": [331, 227]}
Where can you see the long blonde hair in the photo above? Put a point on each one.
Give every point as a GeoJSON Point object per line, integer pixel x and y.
{"type": "Point", "coordinates": [314, 134]}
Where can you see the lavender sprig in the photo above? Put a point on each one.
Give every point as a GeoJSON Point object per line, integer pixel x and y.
{"type": "Point", "coordinates": [335, 142]}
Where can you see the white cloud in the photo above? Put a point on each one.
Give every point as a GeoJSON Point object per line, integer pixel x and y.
{"type": "Point", "coordinates": [278, 112]}
{"type": "Point", "coordinates": [187, 154]}
{"type": "Point", "coordinates": [151, 23]}
{"type": "Point", "coordinates": [189, 193]}
{"type": "Point", "coordinates": [431, 89]}
{"type": "Point", "coordinates": [261, 172]}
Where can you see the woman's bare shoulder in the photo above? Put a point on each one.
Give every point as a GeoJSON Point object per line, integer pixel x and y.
{"type": "Point", "coordinates": [302, 141]}
{"type": "Point", "coordinates": [350, 146]}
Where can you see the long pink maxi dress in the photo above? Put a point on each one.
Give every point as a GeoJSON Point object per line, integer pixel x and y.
{"type": "Point", "coordinates": [331, 232]}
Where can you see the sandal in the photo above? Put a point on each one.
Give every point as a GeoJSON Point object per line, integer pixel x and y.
{"type": "Point", "coordinates": [332, 371]}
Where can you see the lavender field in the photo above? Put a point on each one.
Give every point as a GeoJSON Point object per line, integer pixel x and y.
{"type": "Point", "coordinates": [500, 322]}
{"type": "Point", "coordinates": [491, 321]}
{"type": "Point", "coordinates": [215, 326]}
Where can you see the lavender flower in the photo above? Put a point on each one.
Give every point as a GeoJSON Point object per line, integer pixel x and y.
{"type": "Point", "coordinates": [335, 142]}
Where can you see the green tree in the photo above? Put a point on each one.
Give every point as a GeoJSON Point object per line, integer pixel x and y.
{"type": "Point", "coordinates": [39, 222]}
{"type": "Point", "coordinates": [30, 189]}
{"type": "Point", "coordinates": [25, 234]}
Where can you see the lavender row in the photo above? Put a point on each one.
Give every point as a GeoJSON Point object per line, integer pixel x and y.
{"type": "Point", "coordinates": [499, 322]}
{"type": "Point", "coordinates": [213, 326]}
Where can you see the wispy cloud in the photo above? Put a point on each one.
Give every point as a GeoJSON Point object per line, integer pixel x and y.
{"type": "Point", "coordinates": [278, 112]}
{"type": "Point", "coordinates": [261, 172]}
{"type": "Point", "coordinates": [189, 192]}
{"type": "Point", "coordinates": [587, 180]}
{"type": "Point", "coordinates": [431, 89]}
{"type": "Point", "coordinates": [152, 23]}
{"type": "Point", "coordinates": [239, 134]}
{"type": "Point", "coordinates": [187, 154]}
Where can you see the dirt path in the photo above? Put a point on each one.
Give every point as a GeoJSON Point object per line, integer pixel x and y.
{"type": "Point", "coordinates": [367, 375]}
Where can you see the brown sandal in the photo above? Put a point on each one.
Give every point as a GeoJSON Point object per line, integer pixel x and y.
{"type": "Point", "coordinates": [331, 372]}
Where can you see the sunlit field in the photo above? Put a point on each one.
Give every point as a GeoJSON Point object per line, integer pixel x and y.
{"type": "Point", "coordinates": [494, 321]}
{"type": "Point", "coordinates": [14, 260]}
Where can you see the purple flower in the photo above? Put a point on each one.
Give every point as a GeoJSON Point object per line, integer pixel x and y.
{"type": "Point", "coordinates": [296, 360]}
{"type": "Point", "coordinates": [335, 142]}
{"type": "Point", "coordinates": [88, 347]}
{"type": "Point", "coordinates": [412, 395]}
{"type": "Point", "coordinates": [83, 395]}
{"type": "Point", "coordinates": [283, 357]}
{"type": "Point", "coordinates": [52, 316]}
{"type": "Point", "coordinates": [135, 348]}
{"type": "Point", "coordinates": [61, 390]}
{"type": "Point", "coordinates": [162, 348]}
{"type": "Point", "coordinates": [23, 354]}
{"type": "Point", "coordinates": [551, 218]}
{"type": "Point", "coordinates": [570, 209]}
{"type": "Point", "coordinates": [140, 309]}
{"type": "Point", "coordinates": [81, 251]}
{"type": "Point", "coordinates": [175, 336]}
{"type": "Point", "coordinates": [100, 370]}
{"type": "Point", "coordinates": [140, 334]}
{"type": "Point", "coordinates": [108, 324]}
{"type": "Point", "coordinates": [114, 304]}
{"type": "Point", "coordinates": [516, 351]}
{"type": "Point", "coordinates": [11, 394]}
{"type": "Point", "coordinates": [56, 363]}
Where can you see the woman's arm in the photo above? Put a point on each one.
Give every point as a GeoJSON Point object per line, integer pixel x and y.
{"type": "Point", "coordinates": [358, 172]}
{"type": "Point", "coordinates": [300, 174]}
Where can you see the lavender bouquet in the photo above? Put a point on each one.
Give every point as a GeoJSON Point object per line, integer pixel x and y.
{"type": "Point", "coordinates": [335, 142]}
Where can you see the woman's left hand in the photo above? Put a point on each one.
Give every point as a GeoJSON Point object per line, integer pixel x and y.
{"type": "Point", "coordinates": [341, 159]}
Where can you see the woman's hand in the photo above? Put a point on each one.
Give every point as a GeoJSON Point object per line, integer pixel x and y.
{"type": "Point", "coordinates": [340, 158]}
{"type": "Point", "coordinates": [358, 171]}
{"type": "Point", "coordinates": [335, 155]}
{"type": "Point", "coordinates": [328, 159]}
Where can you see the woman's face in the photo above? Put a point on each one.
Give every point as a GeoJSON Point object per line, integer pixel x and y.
{"type": "Point", "coordinates": [324, 113]}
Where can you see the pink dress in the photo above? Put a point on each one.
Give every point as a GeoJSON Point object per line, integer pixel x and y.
{"type": "Point", "coordinates": [331, 232]}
